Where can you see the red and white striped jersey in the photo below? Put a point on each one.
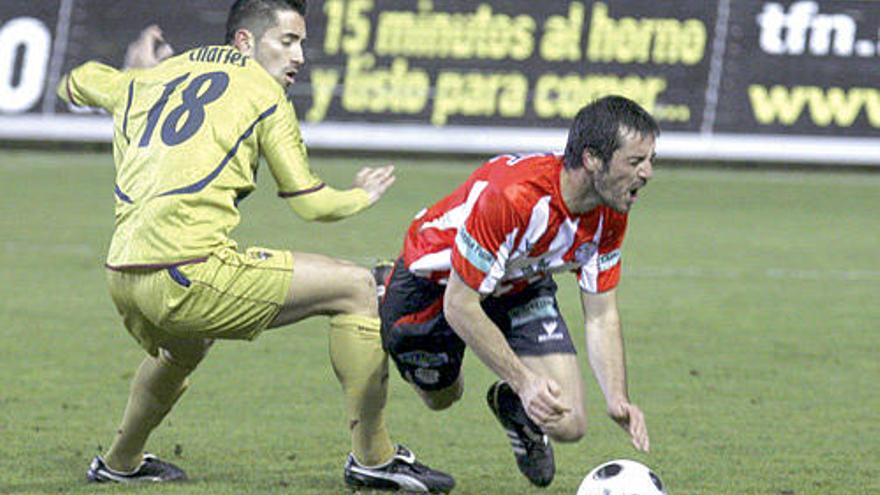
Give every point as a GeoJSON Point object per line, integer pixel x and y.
{"type": "Point", "coordinates": [507, 226]}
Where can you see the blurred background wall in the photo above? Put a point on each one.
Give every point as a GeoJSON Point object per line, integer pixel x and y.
{"type": "Point", "coordinates": [733, 80]}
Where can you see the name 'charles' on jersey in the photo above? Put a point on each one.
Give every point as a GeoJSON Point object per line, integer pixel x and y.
{"type": "Point", "coordinates": [508, 226]}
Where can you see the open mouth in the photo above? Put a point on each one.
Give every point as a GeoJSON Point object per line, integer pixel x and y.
{"type": "Point", "coordinates": [290, 75]}
{"type": "Point", "coordinates": [634, 192]}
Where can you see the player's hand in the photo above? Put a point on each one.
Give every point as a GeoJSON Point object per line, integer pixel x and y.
{"type": "Point", "coordinates": [375, 181]}
{"type": "Point", "coordinates": [540, 397]}
{"type": "Point", "coordinates": [148, 50]}
{"type": "Point", "coordinates": [631, 419]}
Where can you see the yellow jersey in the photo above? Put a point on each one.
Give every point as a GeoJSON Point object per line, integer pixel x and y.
{"type": "Point", "coordinates": [187, 139]}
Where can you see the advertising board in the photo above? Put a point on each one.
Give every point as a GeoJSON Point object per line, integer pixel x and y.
{"type": "Point", "coordinates": [757, 80]}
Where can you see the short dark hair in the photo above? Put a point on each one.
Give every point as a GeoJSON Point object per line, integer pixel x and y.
{"type": "Point", "coordinates": [258, 15]}
{"type": "Point", "coordinates": [598, 127]}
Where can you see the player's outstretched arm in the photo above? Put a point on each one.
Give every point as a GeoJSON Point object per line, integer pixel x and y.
{"type": "Point", "coordinates": [607, 360]}
{"type": "Point", "coordinates": [323, 203]}
{"type": "Point", "coordinates": [540, 395]}
{"type": "Point", "coordinates": [310, 197]}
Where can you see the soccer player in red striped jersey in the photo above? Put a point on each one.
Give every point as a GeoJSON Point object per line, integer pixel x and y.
{"type": "Point", "coordinates": [476, 271]}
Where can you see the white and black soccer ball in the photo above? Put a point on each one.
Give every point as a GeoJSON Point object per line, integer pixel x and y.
{"type": "Point", "coordinates": [621, 477]}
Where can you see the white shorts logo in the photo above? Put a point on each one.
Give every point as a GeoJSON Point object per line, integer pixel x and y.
{"type": "Point", "coordinates": [427, 375]}
{"type": "Point", "coordinates": [551, 333]}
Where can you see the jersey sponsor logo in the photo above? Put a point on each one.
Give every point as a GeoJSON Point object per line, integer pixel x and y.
{"type": "Point", "coordinates": [476, 254]}
{"type": "Point", "coordinates": [550, 332]}
{"type": "Point", "coordinates": [538, 308]}
{"type": "Point", "coordinates": [608, 260]}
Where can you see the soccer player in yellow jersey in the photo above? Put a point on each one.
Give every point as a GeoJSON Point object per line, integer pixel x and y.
{"type": "Point", "coordinates": [188, 135]}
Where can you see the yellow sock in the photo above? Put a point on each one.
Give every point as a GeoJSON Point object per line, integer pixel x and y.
{"type": "Point", "coordinates": [361, 366]}
{"type": "Point", "coordinates": [155, 388]}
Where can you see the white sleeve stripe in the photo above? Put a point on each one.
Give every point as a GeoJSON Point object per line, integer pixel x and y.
{"type": "Point", "coordinates": [499, 268]}
{"type": "Point", "coordinates": [538, 221]}
{"type": "Point", "coordinates": [432, 262]}
{"type": "Point", "coordinates": [455, 217]}
{"type": "Point", "coordinates": [589, 281]}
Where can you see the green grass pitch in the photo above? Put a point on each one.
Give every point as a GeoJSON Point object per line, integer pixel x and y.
{"type": "Point", "coordinates": [750, 301]}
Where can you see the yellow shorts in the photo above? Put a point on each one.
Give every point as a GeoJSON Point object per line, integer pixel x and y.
{"type": "Point", "coordinates": [230, 295]}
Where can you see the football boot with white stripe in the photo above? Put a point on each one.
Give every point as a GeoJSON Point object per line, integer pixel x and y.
{"type": "Point", "coordinates": [151, 469]}
{"type": "Point", "coordinates": [402, 473]}
{"type": "Point", "coordinates": [531, 447]}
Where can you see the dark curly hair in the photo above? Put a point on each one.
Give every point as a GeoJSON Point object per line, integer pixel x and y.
{"type": "Point", "coordinates": [599, 125]}
{"type": "Point", "coordinates": [258, 15]}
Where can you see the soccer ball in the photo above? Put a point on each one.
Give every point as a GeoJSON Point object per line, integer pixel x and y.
{"type": "Point", "coordinates": [621, 477]}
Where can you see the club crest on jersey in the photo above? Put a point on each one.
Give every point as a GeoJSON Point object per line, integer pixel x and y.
{"type": "Point", "coordinates": [585, 252]}
{"type": "Point", "coordinates": [260, 255]}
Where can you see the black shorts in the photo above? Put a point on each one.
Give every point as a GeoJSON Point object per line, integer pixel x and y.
{"type": "Point", "coordinates": [429, 353]}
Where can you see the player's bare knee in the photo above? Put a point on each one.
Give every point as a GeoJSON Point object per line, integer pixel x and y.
{"type": "Point", "coordinates": [360, 297]}
{"type": "Point", "coordinates": [438, 400]}
{"type": "Point", "coordinates": [439, 403]}
{"type": "Point", "coordinates": [185, 356]}
{"type": "Point", "coordinates": [571, 428]}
